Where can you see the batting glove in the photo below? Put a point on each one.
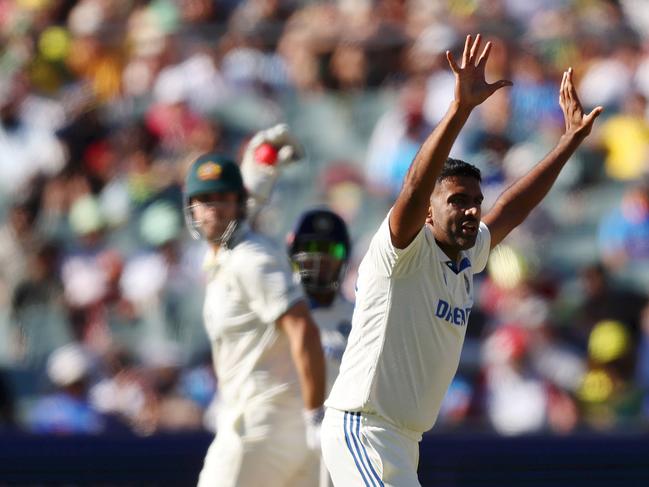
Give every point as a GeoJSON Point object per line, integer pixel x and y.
{"type": "Point", "coordinates": [313, 421]}
{"type": "Point", "coordinates": [265, 154]}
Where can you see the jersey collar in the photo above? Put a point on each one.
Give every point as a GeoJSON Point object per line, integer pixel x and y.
{"type": "Point", "coordinates": [214, 259]}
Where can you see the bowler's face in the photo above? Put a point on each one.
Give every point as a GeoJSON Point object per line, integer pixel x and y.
{"type": "Point", "coordinates": [455, 211]}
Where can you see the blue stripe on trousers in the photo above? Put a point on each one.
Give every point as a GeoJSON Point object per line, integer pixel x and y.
{"type": "Point", "coordinates": [351, 450]}
{"type": "Point", "coordinates": [367, 457]}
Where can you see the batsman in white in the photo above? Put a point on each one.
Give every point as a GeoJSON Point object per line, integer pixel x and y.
{"type": "Point", "coordinates": [415, 288]}
{"type": "Point", "coordinates": [265, 346]}
{"type": "Point", "coordinates": [320, 248]}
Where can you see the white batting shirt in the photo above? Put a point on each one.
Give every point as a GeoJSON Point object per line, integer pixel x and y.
{"type": "Point", "coordinates": [250, 286]}
{"type": "Point", "coordinates": [409, 323]}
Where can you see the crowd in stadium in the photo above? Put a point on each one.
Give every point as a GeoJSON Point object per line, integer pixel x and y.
{"type": "Point", "coordinates": [104, 103]}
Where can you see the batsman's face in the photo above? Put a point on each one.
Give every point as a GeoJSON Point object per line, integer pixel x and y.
{"type": "Point", "coordinates": [214, 212]}
{"type": "Point", "coordinates": [455, 211]}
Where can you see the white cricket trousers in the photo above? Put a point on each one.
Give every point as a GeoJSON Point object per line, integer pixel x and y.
{"type": "Point", "coordinates": [260, 446]}
{"type": "Point", "coordinates": [366, 451]}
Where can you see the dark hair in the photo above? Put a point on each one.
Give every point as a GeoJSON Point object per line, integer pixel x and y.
{"type": "Point", "coordinates": [455, 167]}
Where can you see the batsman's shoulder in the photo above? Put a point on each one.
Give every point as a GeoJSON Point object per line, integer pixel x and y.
{"type": "Point", "coordinates": [257, 249]}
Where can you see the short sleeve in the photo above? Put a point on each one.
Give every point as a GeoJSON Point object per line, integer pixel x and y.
{"type": "Point", "coordinates": [390, 261]}
{"type": "Point", "coordinates": [481, 249]}
{"type": "Point", "coordinates": [267, 281]}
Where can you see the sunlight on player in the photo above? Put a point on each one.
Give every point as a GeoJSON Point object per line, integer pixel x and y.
{"type": "Point", "coordinates": [265, 346]}
{"type": "Point", "coordinates": [415, 288]}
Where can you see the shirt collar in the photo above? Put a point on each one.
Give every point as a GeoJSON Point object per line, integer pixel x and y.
{"type": "Point", "coordinates": [213, 259]}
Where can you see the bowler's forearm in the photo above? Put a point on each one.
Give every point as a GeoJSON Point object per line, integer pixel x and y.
{"type": "Point", "coordinates": [411, 207]}
{"type": "Point", "coordinates": [432, 155]}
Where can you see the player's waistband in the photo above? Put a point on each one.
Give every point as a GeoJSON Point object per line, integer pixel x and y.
{"type": "Point", "coordinates": [336, 417]}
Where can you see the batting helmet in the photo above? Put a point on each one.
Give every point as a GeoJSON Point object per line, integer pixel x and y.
{"type": "Point", "coordinates": [319, 248]}
{"type": "Point", "coordinates": [209, 174]}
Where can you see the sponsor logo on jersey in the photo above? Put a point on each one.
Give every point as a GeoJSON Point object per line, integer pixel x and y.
{"type": "Point", "coordinates": [454, 315]}
{"type": "Point", "coordinates": [209, 171]}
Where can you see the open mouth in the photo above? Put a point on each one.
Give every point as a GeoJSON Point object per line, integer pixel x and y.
{"type": "Point", "coordinates": [469, 228]}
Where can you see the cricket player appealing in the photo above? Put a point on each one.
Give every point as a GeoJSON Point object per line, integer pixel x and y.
{"type": "Point", "coordinates": [415, 288]}
{"type": "Point", "coordinates": [265, 346]}
{"type": "Point", "coordinates": [319, 248]}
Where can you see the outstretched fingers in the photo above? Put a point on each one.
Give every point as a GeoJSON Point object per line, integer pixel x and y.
{"type": "Point", "coordinates": [474, 49]}
{"type": "Point", "coordinates": [485, 54]}
{"type": "Point", "coordinates": [499, 84]}
{"type": "Point", "coordinates": [466, 52]}
{"type": "Point", "coordinates": [451, 62]}
{"type": "Point", "coordinates": [572, 91]}
{"type": "Point", "coordinates": [590, 118]}
{"type": "Point", "coordinates": [576, 121]}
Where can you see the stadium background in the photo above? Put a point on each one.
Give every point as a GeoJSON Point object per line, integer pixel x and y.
{"type": "Point", "coordinates": [102, 105]}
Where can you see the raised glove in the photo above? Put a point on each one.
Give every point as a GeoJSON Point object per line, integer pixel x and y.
{"type": "Point", "coordinates": [264, 155]}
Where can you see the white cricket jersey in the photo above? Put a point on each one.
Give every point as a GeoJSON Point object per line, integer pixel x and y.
{"type": "Point", "coordinates": [412, 308]}
{"type": "Point", "coordinates": [334, 323]}
{"type": "Point", "coordinates": [250, 286]}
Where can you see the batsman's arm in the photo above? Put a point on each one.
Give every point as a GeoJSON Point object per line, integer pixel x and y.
{"type": "Point", "coordinates": [306, 351]}
{"type": "Point", "coordinates": [471, 89]}
{"type": "Point", "coordinates": [516, 202]}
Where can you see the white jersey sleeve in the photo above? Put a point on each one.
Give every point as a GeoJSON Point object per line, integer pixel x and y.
{"type": "Point", "coordinates": [390, 261]}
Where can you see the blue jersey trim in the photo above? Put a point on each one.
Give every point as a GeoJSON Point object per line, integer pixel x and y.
{"type": "Point", "coordinates": [465, 263]}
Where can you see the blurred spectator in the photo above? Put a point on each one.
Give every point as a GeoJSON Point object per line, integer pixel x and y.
{"type": "Point", "coordinates": [516, 396]}
{"type": "Point", "coordinates": [598, 87]}
{"type": "Point", "coordinates": [37, 307]}
{"type": "Point", "coordinates": [456, 405]}
{"type": "Point", "coordinates": [533, 95]}
{"type": "Point", "coordinates": [171, 409]}
{"type": "Point", "coordinates": [427, 56]}
{"type": "Point", "coordinates": [68, 410]}
{"type": "Point", "coordinates": [604, 299]}
{"type": "Point", "coordinates": [625, 137]}
{"type": "Point", "coordinates": [396, 140]}
{"type": "Point", "coordinates": [122, 393]}
{"type": "Point", "coordinates": [196, 80]}
{"type": "Point", "coordinates": [624, 230]}
{"type": "Point", "coordinates": [16, 237]}
{"type": "Point", "coordinates": [608, 397]}
{"type": "Point", "coordinates": [27, 143]}
{"type": "Point", "coordinates": [342, 185]}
